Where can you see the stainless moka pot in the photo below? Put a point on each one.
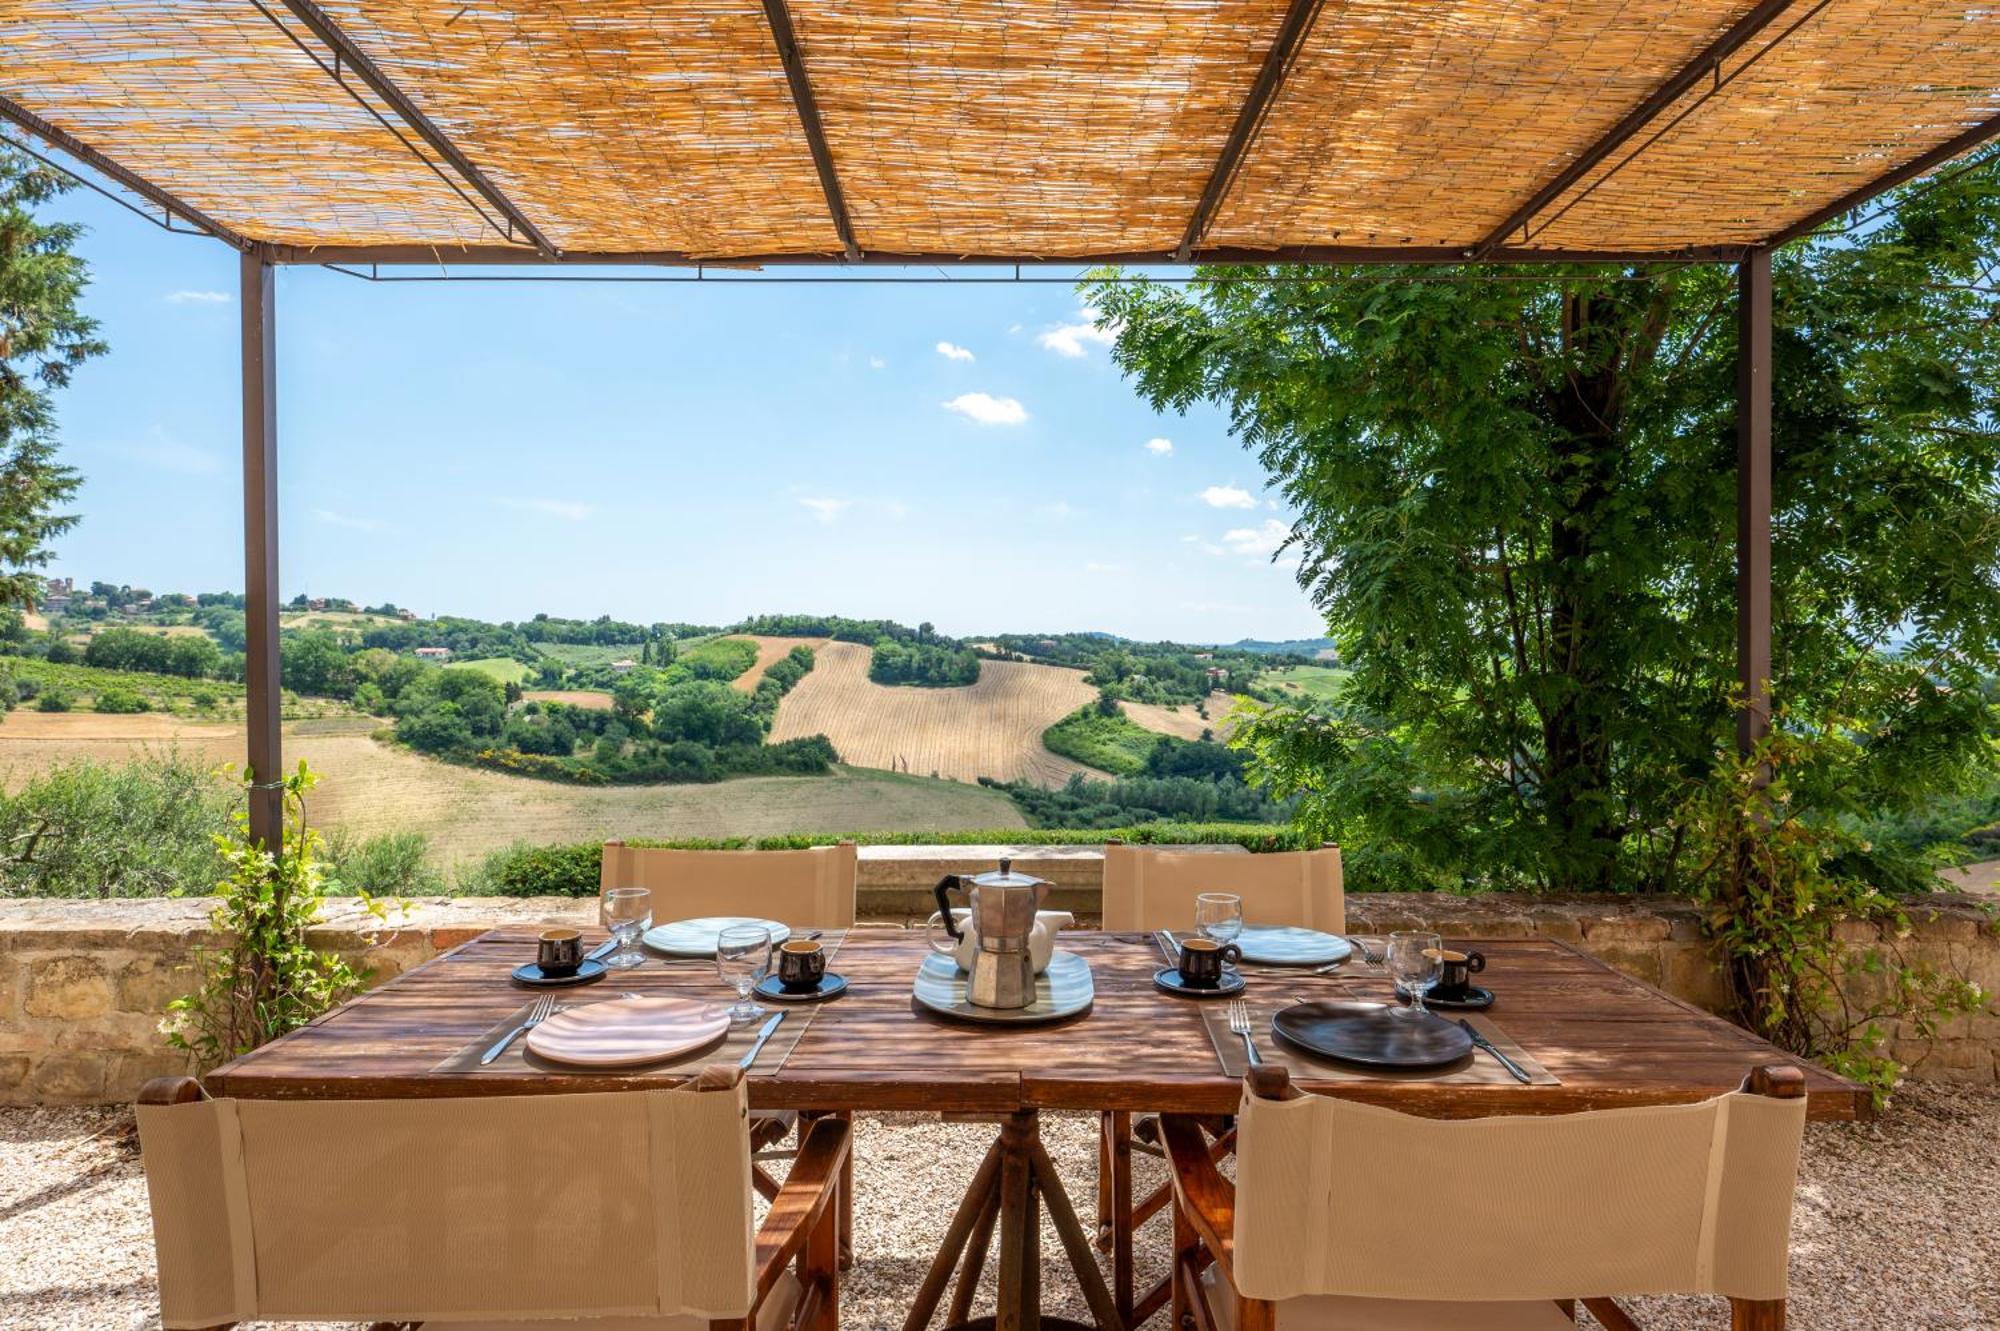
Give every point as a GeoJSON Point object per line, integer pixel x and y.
{"type": "Point", "coordinates": [1002, 921]}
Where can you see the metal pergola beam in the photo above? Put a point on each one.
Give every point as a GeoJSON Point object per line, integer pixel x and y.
{"type": "Point", "coordinates": [261, 674]}
{"type": "Point", "coordinates": [1270, 77]}
{"type": "Point", "coordinates": [481, 255]}
{"type": "Point", "coordinates": [24, 118]}
{"type": "Point", "coordinates": [809, 120]}
{"type": "Point", "coordinates": [347, 53]}
{"type": "Point", "coordinates": [1705, 65]}
{"type": "Point", "coordinates": [1753, 498]}
{"type": "Point", "coordinates": [1908, 171]}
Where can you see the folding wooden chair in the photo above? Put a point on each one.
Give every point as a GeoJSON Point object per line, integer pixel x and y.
{"type": "Point", "coordinates": [806, 889]}
{"type": "Point", "coordinates": [622, 1211]}
{"type": "Point", "coordinates": [1147, 889]}
{"type": "Point", "coordinates": [1351, 1217]}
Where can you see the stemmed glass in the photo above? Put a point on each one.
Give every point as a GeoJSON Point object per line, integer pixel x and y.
{"type": "Point", "coordinates": [627, 912]}
{"type": "Point", "coordinates": [743, 959]}
{"type": "Point", "coordinates": [1415, 961]}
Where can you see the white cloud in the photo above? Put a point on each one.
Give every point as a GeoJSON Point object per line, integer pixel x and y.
{"type": "Point", "coordinates": [1227, 496]}
{"type": "Point", "coordinates": [952, 351]}
{"type": "Point", "coordinates": [877, 363]}
{"type": "Point", "coordinates": [569, 510]}
{"type": "Point", "coordinates": [1074, 340]}
{"type": "Point", "coordinates": [826, 510]}
{"type": "Point", "coordinates": [198, 298]}
{"type": "Point", "coordinates": [348, 520]}
{"type": "Point", "coordinates": [1259, 542]}
{"type": "Point", "coordinates": [167, 453]}
{"type": "Point", "coordinates": [1159, 448]}
{"type": "Point", "coordinates": [987, 409]}
{"type": "Point", "coordinates": [1094, 566]}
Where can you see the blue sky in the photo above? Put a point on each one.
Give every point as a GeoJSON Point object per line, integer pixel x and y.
{"type": "Point", "coordinates": [964, 454]}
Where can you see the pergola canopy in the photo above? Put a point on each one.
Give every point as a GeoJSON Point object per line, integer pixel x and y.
{"type": "Point", "coordinates": [1145, 130]}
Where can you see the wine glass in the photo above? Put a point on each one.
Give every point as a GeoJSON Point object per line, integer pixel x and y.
{"type": "Point", "coordinates": [1415, 961]}
{"type": "Point", "coordinates": [743, 959]}
{"type": "Point", "coordinates": [627, 912]}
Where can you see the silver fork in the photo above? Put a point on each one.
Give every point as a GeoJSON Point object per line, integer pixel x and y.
{"type": "Point", "coordinates": [1239, 1024]}
{"type": "Point", "coordinates": [1360, 947]}
{"type": "Point", "coordinates": [543, 1009]}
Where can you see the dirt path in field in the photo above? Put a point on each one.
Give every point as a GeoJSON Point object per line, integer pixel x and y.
{"type": "Point", "coordinates": [769, 651]}
{"type": "Point", "coordinates": [992, 728]}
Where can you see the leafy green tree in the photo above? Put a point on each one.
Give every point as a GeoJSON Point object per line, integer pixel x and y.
{"type": "Point", "coordinates": [1516, 506]}
{"type": "Point", "coordinates": [44, 337]}
{"type": "Point", "coordinates": [314, 662]}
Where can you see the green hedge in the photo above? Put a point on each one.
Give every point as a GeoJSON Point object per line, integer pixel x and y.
{"type": "Point", "coordinates": [571, 870]}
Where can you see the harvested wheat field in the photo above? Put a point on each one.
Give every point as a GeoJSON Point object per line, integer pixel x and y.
{"type": "Point", "coordinates": [1183, 722]}
{"type": "Point", "coordinates": [593, 699]}
{"type": "Point", "coordinates": [992, 728]}
{"type": "Point", "coordinates": [371, 787]}
{"type": "Point", "coordinates": [769, 651]}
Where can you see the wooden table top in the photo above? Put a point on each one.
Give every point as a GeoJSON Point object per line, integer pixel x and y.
{"type": "Point", "coordinates": [1610, 1040]}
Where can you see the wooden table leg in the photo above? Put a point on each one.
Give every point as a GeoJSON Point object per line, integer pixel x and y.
{"type": "Point", "coordinates": [1014, 1134]}
{"type": "Point", "coordinates": [975, 1260]}
{"type": "Point", "coordinates": [955, 1235]}
{"type": "Point", "coordinates": [1076, 1245]}
{"type": "Point", "coordinates": [1121, 1213]}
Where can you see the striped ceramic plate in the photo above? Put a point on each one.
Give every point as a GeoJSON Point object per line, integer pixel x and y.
{"type": "Point", "coordinates": [1061, 991]}
{"type": "Point", "coordinates": [696, 938]}
{"type": "Point", "coordinates": [1275, 945]}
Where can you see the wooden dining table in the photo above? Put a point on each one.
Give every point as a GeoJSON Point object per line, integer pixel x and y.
{"type": "Point", "coordinates": [1607, 1040]}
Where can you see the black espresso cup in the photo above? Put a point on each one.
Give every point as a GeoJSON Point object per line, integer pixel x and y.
{"type": "Point", "coordinates": [559, 952]}
{"type": "Point", "coordinates": [801, 965]}
{"type": "Point", "coordinates": [1201, 961]}
{"type": "Point", "coordinates": [1458, 969]}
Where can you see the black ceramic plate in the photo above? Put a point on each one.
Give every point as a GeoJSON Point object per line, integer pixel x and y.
{"type": "Point", "coordinates": [1170, 980]}
{"type": "Point", "coordinates": [1473, 999]}
{"type": "Point", "coordinates": [829, 985]}
{"type": "Point", "coordinates": [531, 974]}
{"type": "Point", "coordinates": [1372, 1034]}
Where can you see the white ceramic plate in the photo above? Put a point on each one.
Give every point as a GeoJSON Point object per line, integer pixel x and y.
{"type": "Point", "coordinates": [628, 1031]}
{"type": "Point", "coordinates": [696, 938]}
{"type": "Point", "coordinates": [1285, 945]}
{"type": "Point", "coordinates": [1063, 990]}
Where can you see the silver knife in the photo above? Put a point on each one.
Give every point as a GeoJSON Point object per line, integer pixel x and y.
{"type": "Point", "coordinates": [603, 950]}
{"type": "Point", "coordinates": [1165, 939]}
{"type": "Point", "coordinates": [1494, 1050]}
{"type": "Point", "coordinates": [757, 1046]}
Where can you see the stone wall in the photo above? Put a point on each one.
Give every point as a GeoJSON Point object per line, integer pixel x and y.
{"type": "Point", "coordinates": [83, 983]}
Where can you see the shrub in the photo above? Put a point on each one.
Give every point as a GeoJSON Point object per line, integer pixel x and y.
{"type": "Point", "coordinates": [1111, 742]}
{"type": "Point", "coordinates": [53, 700]}
{"type": "Point", "coordinates": [393, 864]}
{"type": "Point", "coordinates": [924, 664]}
{"type": "Point", "coordinates": [143, 829]}
{"type": "Point", "coordinates": [118, 700]}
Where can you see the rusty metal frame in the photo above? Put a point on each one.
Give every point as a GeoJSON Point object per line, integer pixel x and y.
{"type": "Point", "coordinates": [1706, 65]}
{"type": "Point", "coordinates": [1285, 46]}
{"type": "Point", "coordinates": [1908, 171]}
{"type": "Point", "coordinates": [1753, 498]}
{"type": "Point", "coordinates": [27, 120]}
{"type": "Point", "coordinates": [261, 674]}
{"type": "Point", "coordinates": [347, 53]}
{"type": "Point", "coordinates": [787, 41]}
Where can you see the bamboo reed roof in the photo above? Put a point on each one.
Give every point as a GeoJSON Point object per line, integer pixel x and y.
{"type": "Point", "coordinates": [765, 130]}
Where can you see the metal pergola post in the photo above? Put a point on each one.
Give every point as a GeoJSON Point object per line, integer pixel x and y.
{"type": "Point", "coordinates": [1753, 497]}
{"type": "Point", "coordinates": [262, 697]}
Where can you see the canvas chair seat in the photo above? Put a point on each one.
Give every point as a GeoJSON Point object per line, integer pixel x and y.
{"type": "Point", "coordinates": [776, 1312]}
{"type": "Point", "coordinates": [1332, 1312]}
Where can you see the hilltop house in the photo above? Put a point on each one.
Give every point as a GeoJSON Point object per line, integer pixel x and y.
{"type": "Point", "coordinates": [439, 654]}
{"type": "Point", "coordinates": [407, 615]}
{"type": "Point", "coordinates": [620, 667]}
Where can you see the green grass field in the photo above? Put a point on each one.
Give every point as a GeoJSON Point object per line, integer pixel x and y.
{"type": "Point", "coordinates": [1114, 744]}
{"type": "Point", "coordinates": [1320, 683]}
{"type": "Point", "coordinates": [503, 668]}
{"type": "Point", "coordinates": [588, 654]}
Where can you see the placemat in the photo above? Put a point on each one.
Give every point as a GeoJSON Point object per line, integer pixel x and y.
{"type": "Point", "coordinates": [729, 1049]}
{"type": "Point", "coordinates": [1167, 941]}
{"type": "Point", "coordinates": [1480, 1068]}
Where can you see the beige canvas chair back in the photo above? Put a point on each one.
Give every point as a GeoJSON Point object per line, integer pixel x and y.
{"type": "Point", "coordinates": [1669, 1199]}
{"type": "Point", "coordinates": [807, 889]}
{"type": "Point", "coordinates": [634, 1204]}
{"type": "Point", "coordinates": [1146, 889]}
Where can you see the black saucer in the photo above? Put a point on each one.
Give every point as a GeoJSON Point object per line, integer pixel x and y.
{"type": "Point", "coordinates": [829, 985]}
{"type": "Point", "coordinates": [1169, 979]}
{"type": "Point", "coordinates": [1474, 999]}
{"type": "Point", "coordinates": [531, 974]}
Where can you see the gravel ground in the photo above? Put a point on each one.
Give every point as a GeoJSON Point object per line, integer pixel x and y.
{"type": "Point", "coordinates": [1895, 1227]}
